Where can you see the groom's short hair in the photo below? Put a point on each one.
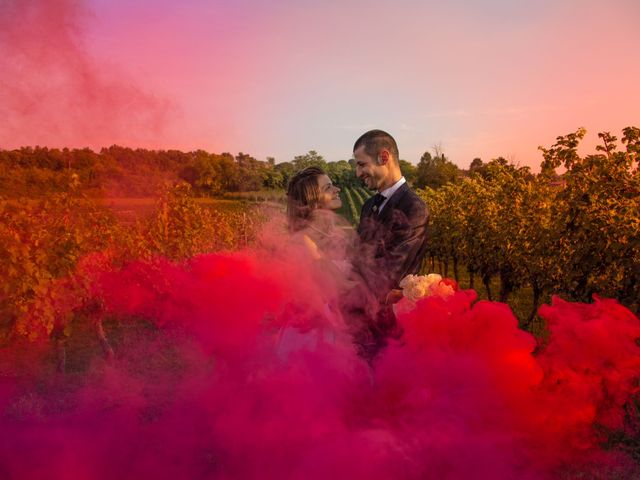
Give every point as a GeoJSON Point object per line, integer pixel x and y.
{"type": "Point", "coordinates": [376, 140]}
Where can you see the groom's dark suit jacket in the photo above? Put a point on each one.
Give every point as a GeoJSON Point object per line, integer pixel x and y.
{"type": "Point", "coordinates": [393, 242]}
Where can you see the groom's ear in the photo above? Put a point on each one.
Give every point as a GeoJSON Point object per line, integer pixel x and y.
{"type": "Point", "coordinates": [383, 157]}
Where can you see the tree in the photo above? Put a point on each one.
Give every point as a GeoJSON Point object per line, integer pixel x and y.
{"type": "Point", "coordinates": [597, 217]}
{"type": "Point", "coordinates": [435, 171]}
{"type": "Point", "coordinates": [286, 171]}
{"type": "Point", "coordinates": [312, 158]}
{"type": "Point", "coordinates": [409, 171]}
{"type": "Point", "coordinates": [342, 174]}
{"type": "Point", "coordinates": [476, 163]}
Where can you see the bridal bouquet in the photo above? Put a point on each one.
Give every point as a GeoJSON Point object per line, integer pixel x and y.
{"type": "Point", "coordinates": [415, 287]}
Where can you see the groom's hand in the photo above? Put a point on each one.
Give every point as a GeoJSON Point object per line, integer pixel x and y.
{"type": "Point", "coordinates": [394, 296]}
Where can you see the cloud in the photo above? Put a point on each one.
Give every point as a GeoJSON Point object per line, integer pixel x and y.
{"type": "Point", "coordinates": [54, 92]}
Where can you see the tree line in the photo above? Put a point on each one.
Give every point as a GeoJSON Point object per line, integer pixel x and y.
{"type": "Point", "coordinates": [124, 172]}
{"type": "Point", "coordinates": [120, 171]}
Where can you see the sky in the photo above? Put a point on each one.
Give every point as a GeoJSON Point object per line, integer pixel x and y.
{"type": "Point", "coordinates": [279, 78]}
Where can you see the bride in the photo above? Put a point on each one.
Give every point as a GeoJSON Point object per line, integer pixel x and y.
{"type": "Point", "coordinates": [311, 203]}
{"type": "Point", "coordinates": [327, 240]}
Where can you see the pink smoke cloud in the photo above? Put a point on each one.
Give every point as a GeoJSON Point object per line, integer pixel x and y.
{"type": "Point", "coordinates": [203, 394]}
{"type": "Point", "coordinates": [54, 93]}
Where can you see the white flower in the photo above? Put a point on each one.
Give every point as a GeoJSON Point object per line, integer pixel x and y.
{"type": "Point", "coordinates": [415, 287]}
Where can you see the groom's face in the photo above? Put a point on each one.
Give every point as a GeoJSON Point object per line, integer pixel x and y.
{"type": "Point", "coordinates": [369, 170]}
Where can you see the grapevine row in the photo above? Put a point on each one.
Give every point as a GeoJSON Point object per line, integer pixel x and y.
{"type": "Point", "coordinates": [575, 235]}
{"type": "Point", "coordinates": [355, 214]}
{"type": "Point", "coordinates": [358, 196]}
{"type": "Point", "coordinates": [52, 250]}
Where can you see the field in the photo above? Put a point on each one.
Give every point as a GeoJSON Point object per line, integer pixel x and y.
{"type": "Point", "coordinates": [129, 210]}
{"type": "Point", "coordinates": [352, 200]}
{"type": "Point", "coordinates": [132, 322]}
{"type": "Point", "coordinates": [165, 315]}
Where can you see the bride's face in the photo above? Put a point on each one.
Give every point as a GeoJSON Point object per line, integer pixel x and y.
{"type": "Point", "coordinates": [329, 197]}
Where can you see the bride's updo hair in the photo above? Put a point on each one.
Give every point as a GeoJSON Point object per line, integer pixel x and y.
{"type": "Point", "coordinates": [302, 196]}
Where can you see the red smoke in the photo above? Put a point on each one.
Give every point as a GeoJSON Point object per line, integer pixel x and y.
{"type": "Point", "coordinates": [204, 395]}
{"type": "Point", "coordinates": [54, 93]}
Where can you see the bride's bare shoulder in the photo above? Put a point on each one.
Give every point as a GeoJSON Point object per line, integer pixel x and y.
{"type": "Point", "coordinates": [311, 246]}
{"type": "Point", "coordinates": [303, 241]}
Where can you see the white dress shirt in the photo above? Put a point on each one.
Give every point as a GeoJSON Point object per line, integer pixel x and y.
{"type": "Point", "coordinates": [386, 193]}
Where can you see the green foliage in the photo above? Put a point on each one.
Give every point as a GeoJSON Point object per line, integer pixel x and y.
{"type": "Point", "coordinates": [311, 159]}
{"type": "Point", "coordinates": [357, 196]}
{"type": "Point", "coordinates": [564, 152]}
{"type": "Point", "coordinates": [124, 172]}
{"type": "Point", "coordinates": [577, 234]}
{"type": "Point", "coordinates": [364, 193]}
{"type": "Point", "coordinates": [597, 215]}
{"type": "Point", "coordinates": [409, 171]}
{"type": "Point", "coordinates": [41, 242]}
{"type": "Point", "coordinates": [353, 210]}
{"type": "Point", "coordinates": [342, 174]}
{"type": "Point", "coordinates": [50, 251]}
{"type": "Point", "coordinates": [475, 164]}
{"type": "Point", "coordinates": [435, 171]}
{"type": "Point", "coordinates": [181, 228]}
{"type": "Point", "coordinates": [279, 196]}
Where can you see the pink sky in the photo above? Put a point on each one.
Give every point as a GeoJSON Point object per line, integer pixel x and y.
{"type": "Point", "coordinates": [280, 78]}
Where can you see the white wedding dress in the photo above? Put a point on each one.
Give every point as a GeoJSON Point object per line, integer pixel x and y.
{"type": "Point", "coordinates": [327, 245]}
{"type": "Point", "coordinates": [292, 339]}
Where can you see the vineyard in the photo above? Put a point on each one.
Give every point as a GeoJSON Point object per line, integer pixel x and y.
{"type": "Point", "coordinates": [352, 200]}
{"type": "Point", "coordinates": [53, 249]}
{"type": "Point", "coordinates": [576, 236]}
{"type": "Point", "coordinates": [519, 237]}
{"type": "Point", "coordinates": [180, 298]}
{"type": "Point", "coordinates": [123, 311]}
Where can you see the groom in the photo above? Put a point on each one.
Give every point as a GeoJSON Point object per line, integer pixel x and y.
{"type": "Point", "coordinates": [392, 232]}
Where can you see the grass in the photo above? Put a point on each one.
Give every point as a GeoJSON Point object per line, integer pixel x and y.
{"type": "Point", "coordinates": [132, 209]}
{"type": "Point", "coordinates": [258, 196]}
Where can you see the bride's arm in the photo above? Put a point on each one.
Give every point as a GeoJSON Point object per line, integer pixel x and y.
{"type": "Point", "coordinates": [327, 264]}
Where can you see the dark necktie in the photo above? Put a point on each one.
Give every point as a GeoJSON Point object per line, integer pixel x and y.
{"type": "Point", "coordinates": [378, 199]}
